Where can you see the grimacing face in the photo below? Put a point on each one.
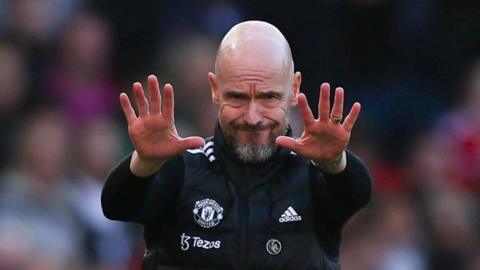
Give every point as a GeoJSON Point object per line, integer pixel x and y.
{"type": "Point", "coordinates": [254, 88]}
{"type": "Point", "coordinates": [254, 105]}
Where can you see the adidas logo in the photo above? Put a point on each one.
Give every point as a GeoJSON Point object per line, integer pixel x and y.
{"type": "Point", "coordinates": [290, 215]}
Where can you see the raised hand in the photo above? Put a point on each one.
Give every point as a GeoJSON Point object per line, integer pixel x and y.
{"type": "Point", "coordinates": [323, 139]}
{"type": "Point", "coordinates": [152, 132]}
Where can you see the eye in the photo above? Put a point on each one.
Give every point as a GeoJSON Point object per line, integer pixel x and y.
{"type": "Point", "coordinates": [270, 96]}
{"type": "Point", "coordinates": [236, 97]}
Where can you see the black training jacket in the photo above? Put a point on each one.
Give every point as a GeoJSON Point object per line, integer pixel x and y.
{"type": "Point", "coordinates": [205, 209]}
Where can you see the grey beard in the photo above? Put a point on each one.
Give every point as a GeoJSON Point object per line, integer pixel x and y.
{"type": "Point", "coordinates": [253, 153]}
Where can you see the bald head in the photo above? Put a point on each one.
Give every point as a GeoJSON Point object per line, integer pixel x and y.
{"type": "Point", "coordinates": [254, 44]}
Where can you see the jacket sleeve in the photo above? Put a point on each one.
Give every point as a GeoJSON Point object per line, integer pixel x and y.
{"type": "Point", "coordinates": [127, 197]}
{"type": "Point", "coordinates": [340, 196]}
{"type": "Point", "coordinates": [336, 198]}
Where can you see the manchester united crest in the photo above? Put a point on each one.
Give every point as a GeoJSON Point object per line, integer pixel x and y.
{"type": "Point", "coordinates": [207, 213]}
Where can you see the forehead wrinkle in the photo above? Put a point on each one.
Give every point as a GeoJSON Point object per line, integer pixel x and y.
{"type": "Point", "coordinates": [258, 70]}
{"type": "Point", "coordinates": [254, 76]}
{"type": "Point", "coordinates": [241, 75]}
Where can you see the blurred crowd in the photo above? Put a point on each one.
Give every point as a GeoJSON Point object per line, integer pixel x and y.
{"type": "Point", "coordinates": [413, 64]}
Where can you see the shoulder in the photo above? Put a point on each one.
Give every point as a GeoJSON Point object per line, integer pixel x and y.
{"type": "Point", "coordinates": [295, 162]}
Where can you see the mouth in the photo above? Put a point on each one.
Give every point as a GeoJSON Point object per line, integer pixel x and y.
{"type": "Point", "coordinates": [253, 128]}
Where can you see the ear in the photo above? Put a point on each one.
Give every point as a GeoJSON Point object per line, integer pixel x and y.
{"type": "Point", "coordinates": [212, 80]}
{"type": "Point", "coordinates": [297, 81]}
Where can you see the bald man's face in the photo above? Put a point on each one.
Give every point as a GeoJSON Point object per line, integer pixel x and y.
{"type": "Point", "coordinates": [254, 102]}
{"type": "Point", "coordinates": [254, 87]}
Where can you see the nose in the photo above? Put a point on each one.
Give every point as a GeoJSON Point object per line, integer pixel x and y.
{"type": "Point", "coordinates": [252, 116]}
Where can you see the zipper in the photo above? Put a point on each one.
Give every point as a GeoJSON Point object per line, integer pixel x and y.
{"type": "Point", "coordinates": [244, 220]}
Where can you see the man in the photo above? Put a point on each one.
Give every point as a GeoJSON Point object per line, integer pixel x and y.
{"type": "Point", "coordinates": [251, 197]}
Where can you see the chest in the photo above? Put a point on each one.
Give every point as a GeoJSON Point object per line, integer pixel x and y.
{"type": "Point", "coordinates": [209, 201]}
{"type": "Point", "coordinates": [220, 223]}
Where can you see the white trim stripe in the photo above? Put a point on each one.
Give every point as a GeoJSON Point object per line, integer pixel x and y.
{"type": "Point", "coordinates": [209, 151]}
{"type": "Point", "coordinates": [206, 150]}
{"type": "Point", "coordinates": [195, 151]}
{"type": "Point", "coordinates": [208, 145]}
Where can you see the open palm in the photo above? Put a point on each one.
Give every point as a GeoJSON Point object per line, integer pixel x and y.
{"type": "Point", "coordinates": [152, 132]}
{"type": "Point", "coordinates": [325, 138]}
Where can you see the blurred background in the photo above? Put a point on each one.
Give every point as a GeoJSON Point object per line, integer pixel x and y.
{"type": "Point", "coordinates": [413, 64]}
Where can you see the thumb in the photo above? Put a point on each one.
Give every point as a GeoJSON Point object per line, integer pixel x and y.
{"type": "Point", "coordinates": [191, 142]}
{"type": "Point", "coordinates": [287, 142]}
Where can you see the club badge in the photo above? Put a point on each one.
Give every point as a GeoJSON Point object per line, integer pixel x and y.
{"type": "Point", "coordinates": [273, 246]}
{"type": "Point", "coordinates": [207, 213]}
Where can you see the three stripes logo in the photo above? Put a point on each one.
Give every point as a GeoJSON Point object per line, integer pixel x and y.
{"type": "Point", "coordinates": [289, 215]}
{"type": "Point", "coordinates": [207, 150]}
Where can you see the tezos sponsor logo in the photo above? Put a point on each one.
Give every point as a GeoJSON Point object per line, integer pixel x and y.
{"type": "Point", "coordinates": [207, 213]}
{"type": "Point", "coordinates": [196, 242]}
